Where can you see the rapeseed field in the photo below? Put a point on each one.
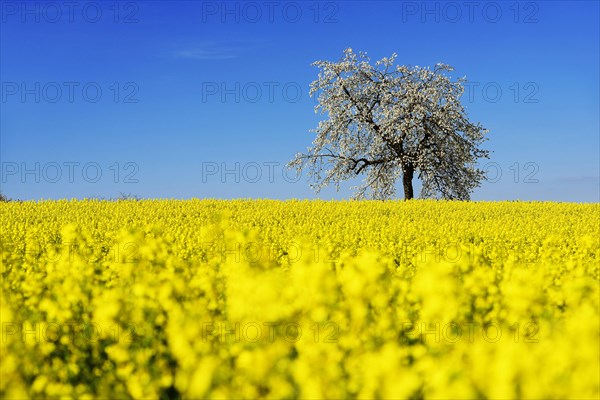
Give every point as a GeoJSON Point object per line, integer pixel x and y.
{"type": "Point", "coordinates": [300, 299]}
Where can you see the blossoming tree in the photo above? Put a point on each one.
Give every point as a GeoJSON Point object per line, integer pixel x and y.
{"type": "Point", "coordinates": [386, 121]}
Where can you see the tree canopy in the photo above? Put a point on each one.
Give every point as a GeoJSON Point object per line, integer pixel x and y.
{"type": "Point", "coordinates": [386, 121]}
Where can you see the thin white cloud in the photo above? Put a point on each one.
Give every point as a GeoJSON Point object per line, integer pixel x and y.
{"type": "Point", "coordinates": [200, 54]}
{"type": "Point", "coordinates": [215, 50]}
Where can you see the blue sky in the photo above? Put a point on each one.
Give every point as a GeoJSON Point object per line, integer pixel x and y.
{"type": "Point", "coordinates": [210, 98]}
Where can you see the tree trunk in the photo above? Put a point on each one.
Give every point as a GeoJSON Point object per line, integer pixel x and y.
{"type": "Point", "coordinates": [407, 177]}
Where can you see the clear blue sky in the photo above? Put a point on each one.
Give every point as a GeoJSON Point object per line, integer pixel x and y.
{"type": "Point", "coordinates": [210, 99]}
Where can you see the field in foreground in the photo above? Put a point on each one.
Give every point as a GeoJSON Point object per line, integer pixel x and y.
{"type": "Point", "coordinates": [299, 299]}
